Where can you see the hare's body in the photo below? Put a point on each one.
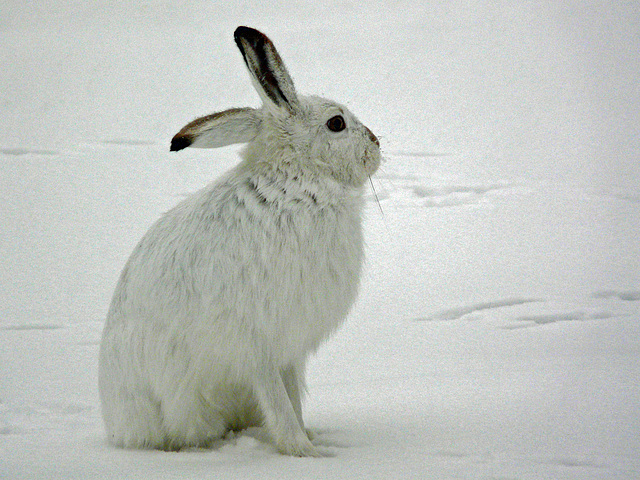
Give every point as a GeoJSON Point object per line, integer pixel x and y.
{"type": "Point", "coordinates": [205, 286]}
{"type": "Point", "coordinates": [223, 300]}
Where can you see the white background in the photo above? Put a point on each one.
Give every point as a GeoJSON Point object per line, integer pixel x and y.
{"type": "Point", "coordinates": [497, 331]}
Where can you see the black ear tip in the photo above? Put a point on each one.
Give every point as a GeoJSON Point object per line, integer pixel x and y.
{"type": "Point", "coordinates": [240, 31]}
{"type": "Point", "coordinates": [246, 32]}
{"type": "Point", "coordinates": [250, 35]}
{"type": "Point", "coordinates": [180, 142]}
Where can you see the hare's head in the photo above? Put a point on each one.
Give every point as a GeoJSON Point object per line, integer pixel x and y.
{"type": "Point", "coordinates": [305, 133]}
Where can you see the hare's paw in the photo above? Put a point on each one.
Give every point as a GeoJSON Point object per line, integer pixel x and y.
{"type": "Point", "coordinates": [298, 448]}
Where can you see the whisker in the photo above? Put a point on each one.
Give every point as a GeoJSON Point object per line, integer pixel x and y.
{"type": "Point", "coordinates": [375, 194]}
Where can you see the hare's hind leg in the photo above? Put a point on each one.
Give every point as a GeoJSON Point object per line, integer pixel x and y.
{"type": "Point", "coordinates": [188, 421]}
{"type": "Point", "coordinates": [133, 421]}
{"type": "Point", "coordinates": [280, 416]}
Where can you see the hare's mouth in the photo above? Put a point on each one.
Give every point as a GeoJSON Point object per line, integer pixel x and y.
{"type": "Point", "coordinates": [371, 161]}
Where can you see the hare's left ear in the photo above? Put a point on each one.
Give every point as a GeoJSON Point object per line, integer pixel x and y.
{"type": "Point", "coordinates": [236, 125]}
{"type": "Point", "coordinates": [268, 73]}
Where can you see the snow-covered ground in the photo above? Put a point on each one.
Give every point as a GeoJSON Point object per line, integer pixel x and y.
{"type": "Point", "coordinates": [497, 334]}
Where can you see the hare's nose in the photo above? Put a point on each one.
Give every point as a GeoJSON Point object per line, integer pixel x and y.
{"type": "Point", "coordinates": [372, 137]}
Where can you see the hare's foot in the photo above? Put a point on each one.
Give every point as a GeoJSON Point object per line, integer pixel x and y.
{"type": "Point", "coordinates": [280, 416]}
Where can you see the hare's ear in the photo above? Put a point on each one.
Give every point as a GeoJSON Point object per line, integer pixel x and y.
{"type": "Point", "coordinates": [237, 125]}
{"type": "Point", "coordinates": [268, 73]}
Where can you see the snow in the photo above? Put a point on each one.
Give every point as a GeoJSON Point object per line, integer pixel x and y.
{"type": "Point", "coordinates": [497, 332]}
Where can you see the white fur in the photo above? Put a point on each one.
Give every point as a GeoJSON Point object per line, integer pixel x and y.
{"type": "Point", "coordinates": [225, 297]}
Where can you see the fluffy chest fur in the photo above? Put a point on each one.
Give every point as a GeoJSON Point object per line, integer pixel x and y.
{"type": "Point", "coordinates": [269, 261]}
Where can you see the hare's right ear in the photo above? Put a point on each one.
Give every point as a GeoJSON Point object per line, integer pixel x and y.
{"type": "Point", "coordinates": [268, 73]}
{"type": "Point", "coordinates": [237, 125]}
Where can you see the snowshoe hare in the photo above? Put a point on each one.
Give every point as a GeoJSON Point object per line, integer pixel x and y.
{"type": "Point", "coordinates": [227, 295]}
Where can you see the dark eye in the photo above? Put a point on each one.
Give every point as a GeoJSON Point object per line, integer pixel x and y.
{"type": "Point", "coordinates": [336, 124]}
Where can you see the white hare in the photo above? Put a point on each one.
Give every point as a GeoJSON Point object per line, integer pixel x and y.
{"type": "Point", "coordinates": [227, 295]}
